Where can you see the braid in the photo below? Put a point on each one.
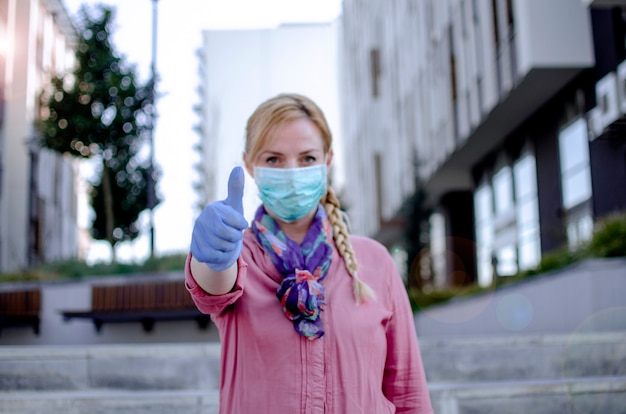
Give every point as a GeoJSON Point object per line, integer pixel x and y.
{"type": "Point", "coordinates": [362, 292]}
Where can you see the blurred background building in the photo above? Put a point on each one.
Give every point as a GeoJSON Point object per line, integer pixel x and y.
{"type": "Point", "coordinates": [241, 68]}
{"type": "Point", "coordinates": [509, 111]}
{"type": "Point", "coordinates": [38, 189]}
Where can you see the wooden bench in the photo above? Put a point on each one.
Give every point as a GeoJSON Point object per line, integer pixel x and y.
{"type": "Point", "coordinates": [145, 303]}
{"type": "Point", "coordinates": [20, 308]}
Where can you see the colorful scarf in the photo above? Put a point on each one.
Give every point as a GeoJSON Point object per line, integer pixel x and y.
{"type": "Point", "coordinates": [303, 265]}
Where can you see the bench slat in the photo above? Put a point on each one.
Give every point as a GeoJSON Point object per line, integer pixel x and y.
{"type": "Point", "coordinates": [20, 308]}
{"type": "Point", "coordinates": [141, 302]}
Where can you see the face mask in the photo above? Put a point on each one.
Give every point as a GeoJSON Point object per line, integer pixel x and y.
{"type": "Point", "coordinates": [291, 193]}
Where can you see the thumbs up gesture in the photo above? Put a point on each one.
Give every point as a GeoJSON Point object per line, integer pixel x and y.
{"type": "Point", "coordinates": [217, 233]}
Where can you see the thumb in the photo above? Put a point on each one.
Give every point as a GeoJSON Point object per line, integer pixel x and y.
{"type": "Point", "coordinates": [235, 190]}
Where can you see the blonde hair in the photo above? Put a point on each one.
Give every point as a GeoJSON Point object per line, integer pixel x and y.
{"type": "Point", "coordinates": [288, 107]}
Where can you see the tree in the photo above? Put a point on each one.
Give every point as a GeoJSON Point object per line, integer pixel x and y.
{"type": "Point", "coordinates": [416, 214]}
{"type": "Point", "coordinates": [101, 112]}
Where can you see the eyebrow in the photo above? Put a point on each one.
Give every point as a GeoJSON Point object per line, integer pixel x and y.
{"type": "Point", "coordinates": [309, 151]}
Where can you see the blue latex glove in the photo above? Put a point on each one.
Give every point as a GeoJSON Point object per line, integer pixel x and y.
{"type": "Point", "coordinates": [217, 235]}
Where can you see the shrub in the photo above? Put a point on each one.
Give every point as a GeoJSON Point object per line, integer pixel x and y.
{"type": "Point", "coordinates": [608, 240]}
{"type": "Point", "coordinates": [609, 237]}
{"type": "Point", "coordinates": [76, 269]}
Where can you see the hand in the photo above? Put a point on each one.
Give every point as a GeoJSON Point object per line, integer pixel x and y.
{"type": "Point", "coordinates": [217, 235]}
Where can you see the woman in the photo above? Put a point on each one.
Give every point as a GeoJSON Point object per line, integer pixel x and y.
{"type": "Point", "coordinates": [311, 320]}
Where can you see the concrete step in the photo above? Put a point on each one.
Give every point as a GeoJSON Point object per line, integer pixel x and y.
{"type": "Point", "coordinates": [134, 367]}
{"type": "Point", "coordinates": [528, 357]}
{"type": "Point", "coordinates": [603, 395]}
{"type": "Point", "coordinates": [542, 374]}
{"type": "Point", "coordinates": [574, 396]}
{"type": "Point", "coordinates": [196, 366]}
{"type": "Point", "coordinates": [109, 402]}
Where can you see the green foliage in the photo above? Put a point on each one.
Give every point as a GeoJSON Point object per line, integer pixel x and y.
{"type": "Point", "coordinates": [170, 263]}
{"type": "Point", "coordinates": [75, 269]}
{"type": "Point", "coordinates": [102, 112]}
{"type": "Point", "coordinates": [415, 214]}
{"type": "Point", "coordinates": [557, 260]}
{"type": "Point", "coordinates": [609, 238]}
{"type": "Point", "coordinates": [421, 299]}
{"type": "Point", "coordinates": [130, 198]}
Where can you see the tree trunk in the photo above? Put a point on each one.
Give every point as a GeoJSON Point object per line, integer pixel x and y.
{"type": "Point", "coordinates": [108, 209]}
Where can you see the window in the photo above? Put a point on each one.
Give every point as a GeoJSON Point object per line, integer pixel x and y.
{"type": "Point", "coordinates": [483, 216]}
{"type": "Point", "coordinates": [527, 212]}
{"type": "Point", "coordinates": [378, 176]}
{"type": "Point", "coordinates": [438, 248]}
{"type": "Point", "coordinates": [576, 181]}
{"type": "Point", "coordinates": [579, 229]}
{"type": "Point", "coordinates": [505, 260]}
{"type": "Point", "coordinates": [452, 61]}
{"type": "Point", "coordinates": [503, 189]}
{"type": "Point", "coordinates": [506, 213]}
{"type": "Point", "coordinates": [509, 15]}
{"type": "Point", "coordinates": [575, 172]}
{"type": "Point", "coordinates": [496, 33]}
{"type": "Point", "coordinates": [475, 12]}
{"type": "Point", "coordinates": [463, 10]}
{"type": "Point", "coordinates": [375, 71]}
{"type": "Point", "coordinates": [454, 90]}
{"type": "Point", "coordinates": [505, 232]}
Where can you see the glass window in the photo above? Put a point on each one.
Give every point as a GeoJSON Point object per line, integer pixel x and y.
{"type": "Point", "coordinates": [507, 220]}
{"type": "Point", "coordinates": [529, 250]}
{"type": "Point", "coordinates": [525, 177]}
{"type": "Point", "coordinates": [506, 260]}
{"type": "Point", "coordinates": [505, 238]}
{"type": "Point", "coordinates": [527, 212]}
{"type": "Point", "coordinates": [576, 182]}
{"type": "Point", "coordinates": [503, 190]}
{"type": "Point", "coordinates": [579, 230]}
{"type": "Point", "coordinates": [576, 188]}
{"type": "Point", "coordinates": [483, 213]}
{"type": "Point", "coordinates": [438, 248]}
{"type": "Point", "coordinates": [575, 171]}
{"type": "Point", "coordinates": [483, 202]}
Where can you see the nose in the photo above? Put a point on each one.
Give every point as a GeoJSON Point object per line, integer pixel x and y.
{"type": "Point", "coordinates": [291, 163]}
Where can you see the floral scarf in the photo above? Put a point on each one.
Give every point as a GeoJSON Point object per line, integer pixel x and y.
{"type": "Point", "coordinates": [303, 265]}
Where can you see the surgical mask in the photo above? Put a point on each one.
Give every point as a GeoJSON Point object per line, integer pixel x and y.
{"type": "Point", "coordinates": [291, 193]}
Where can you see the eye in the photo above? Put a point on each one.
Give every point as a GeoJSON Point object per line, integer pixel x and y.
{"type": "Point", "coordinates": [271, 160]}
{"type": "Point", "coordinates": [309, 159]}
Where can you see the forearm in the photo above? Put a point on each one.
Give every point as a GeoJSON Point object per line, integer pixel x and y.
{"type": "Point", "coordinates": [212, 282]}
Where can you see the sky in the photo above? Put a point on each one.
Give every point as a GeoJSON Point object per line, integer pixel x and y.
{"type": "Point", "coordinates": [179, 27]}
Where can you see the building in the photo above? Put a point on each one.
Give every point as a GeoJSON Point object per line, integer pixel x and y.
{"type": "Point", "coordinates": [38, 189]}
{"type": "Point", "coordinates": [511, 111]}
{"type": "Point", "coordinates": [239, 69]}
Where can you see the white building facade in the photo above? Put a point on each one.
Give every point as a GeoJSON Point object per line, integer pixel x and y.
{"type": "Point", "coordinates": [38, 188]}
{"type": "Point", "coordinates": [239, 69]}
{"type": "Point", "coordinates": [496, 104]}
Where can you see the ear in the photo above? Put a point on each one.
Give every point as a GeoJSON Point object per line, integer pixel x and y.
{"type": "Point", "coordinates": [329, 159]}
{"type": "Point", "coordinates": [248, 164]}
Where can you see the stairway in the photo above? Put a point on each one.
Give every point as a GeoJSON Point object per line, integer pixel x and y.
{"type": "Point", "coordinates": [539, 374]}
{"type": "Point", "coordinates": [107, 379]}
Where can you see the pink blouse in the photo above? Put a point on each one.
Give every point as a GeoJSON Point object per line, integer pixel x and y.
{"type": "Point", "coordinates": [368, 361]}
